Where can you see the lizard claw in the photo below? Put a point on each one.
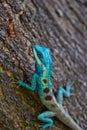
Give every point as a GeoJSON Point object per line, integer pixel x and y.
{"type": "Point", "coordinates": [14, 81]}
{"type": "Point", "coordinates": [18, 86]}
{"type": "Point", "coordinates": [73, 94]}
{"type": "Point", "coordinates": [40, 127]}
{"type": "Point", "coordinates": [70, 83]}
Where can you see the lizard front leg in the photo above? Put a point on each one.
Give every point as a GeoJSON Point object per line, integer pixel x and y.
{"type": "Point", "coordinates": [45, 118]}
{"type": "Point", "coordinates": [33, 83]}
{"type": "Point", "coordinates": [63, 92]}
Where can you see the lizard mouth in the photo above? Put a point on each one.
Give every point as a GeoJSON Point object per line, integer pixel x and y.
{"type": "Point", "coordinates": [33, 50]}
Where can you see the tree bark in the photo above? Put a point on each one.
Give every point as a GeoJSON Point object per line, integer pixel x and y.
{"type": "Point", "coordinates": [61, 26]}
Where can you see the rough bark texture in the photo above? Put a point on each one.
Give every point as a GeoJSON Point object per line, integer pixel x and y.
{"type": "Point", "coordinates": [60, 25]}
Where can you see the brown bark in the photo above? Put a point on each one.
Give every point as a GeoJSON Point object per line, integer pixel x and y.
{"type": "Point", "coordinates": [60, 25]}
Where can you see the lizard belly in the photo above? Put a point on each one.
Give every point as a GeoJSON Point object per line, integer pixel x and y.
{"type": "Point", "coordinates": [49, 101]}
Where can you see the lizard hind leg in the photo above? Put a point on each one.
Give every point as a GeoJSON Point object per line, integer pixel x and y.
{"type": "Point", "coordinates": [63, 92]}
{"type": "Point", "coordinates": [45, 118]}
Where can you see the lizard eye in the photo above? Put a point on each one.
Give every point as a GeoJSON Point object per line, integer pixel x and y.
{"type": "Point", "coordinates": [40, 55]}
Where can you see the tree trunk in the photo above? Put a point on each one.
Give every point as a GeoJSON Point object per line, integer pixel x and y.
{"type": "Point", "coordinates": [61, 26]}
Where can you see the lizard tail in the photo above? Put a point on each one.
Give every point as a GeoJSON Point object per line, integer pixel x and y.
{"type": "Point", "coordinates": [64, 117]}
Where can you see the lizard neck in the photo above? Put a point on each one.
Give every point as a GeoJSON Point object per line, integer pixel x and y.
{"type": "Point", "coordinates": [46, 71]}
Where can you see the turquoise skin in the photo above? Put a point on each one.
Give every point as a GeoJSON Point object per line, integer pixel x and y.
{"type": "Point", "coordinates": [41, 77]}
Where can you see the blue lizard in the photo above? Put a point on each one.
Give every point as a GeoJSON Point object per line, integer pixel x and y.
{"type": "Point", "coordinates": [41, 78]}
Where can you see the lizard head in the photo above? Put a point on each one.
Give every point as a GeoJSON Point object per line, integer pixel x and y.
{"type": "Point", "coordinates": [42, 56]}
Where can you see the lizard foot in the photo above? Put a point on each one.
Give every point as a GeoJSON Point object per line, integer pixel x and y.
{"type": "Point", "coordinates": [14, 81]}
{"type": "Point", "coordinates": [18, 82]}
{"type": "Point", "coordinates": [64, 92]}
{"type": "Point", "coordinates": [45, 117]}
